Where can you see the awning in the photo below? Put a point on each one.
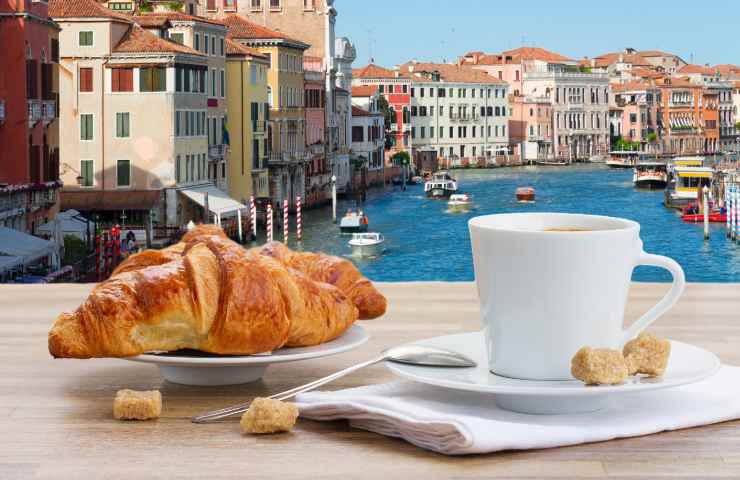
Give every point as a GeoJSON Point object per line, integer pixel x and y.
{"type": "Point", "coordinates": [29, 248]}
{"type": "Point", "coordinates": [70, 224]}
{"type": "Point", "coordinates": [8, 262]}
{"type": "Point", "coordinates": [109, 200]}
{"type": "Point", "coordinates": [219, 202]}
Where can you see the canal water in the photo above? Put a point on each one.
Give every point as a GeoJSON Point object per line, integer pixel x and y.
{"type": "Point", "coordinates": [425, 242]}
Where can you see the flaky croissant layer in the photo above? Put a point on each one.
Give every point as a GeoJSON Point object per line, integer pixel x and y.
{"type": "Point", "coordinates": [208, 293]}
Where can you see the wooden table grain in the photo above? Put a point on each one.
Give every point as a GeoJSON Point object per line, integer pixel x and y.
{"type": "Point", "coordinates": [56, 419]}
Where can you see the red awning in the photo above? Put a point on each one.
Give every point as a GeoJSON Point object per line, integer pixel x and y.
{"type": "Point", "coordinates": [110, 200]}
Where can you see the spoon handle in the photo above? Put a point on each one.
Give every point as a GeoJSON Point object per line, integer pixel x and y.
{"type": "Point", "coordinates": [243, 407]}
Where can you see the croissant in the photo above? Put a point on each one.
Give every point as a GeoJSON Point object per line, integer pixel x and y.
{"type": "Point", "coordinates": [205, 293]}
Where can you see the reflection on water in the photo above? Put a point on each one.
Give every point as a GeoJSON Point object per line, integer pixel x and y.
{"type": "Point", "coordinates": [426, 242]}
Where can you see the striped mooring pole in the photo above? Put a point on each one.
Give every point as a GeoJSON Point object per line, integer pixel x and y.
{"type": "Point", "coordinates": [285, 221]}
{"type": "Point", "coordinates": [298, 219]}
{"type": "Point", "coordinates": [269, 222]}
{"type": "Point", "coordinates": [253, 216]}
{"type": "Point", "coordinates": [728, 207]}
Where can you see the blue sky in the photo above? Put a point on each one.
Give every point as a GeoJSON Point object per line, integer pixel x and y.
{"type": "Point", "coordinates": [394, 31]}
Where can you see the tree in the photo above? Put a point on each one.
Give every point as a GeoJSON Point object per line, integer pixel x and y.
{"type": "Point", "coordinates": [401, 158]}
{"type": "Point", "coordinates": [388, 112]}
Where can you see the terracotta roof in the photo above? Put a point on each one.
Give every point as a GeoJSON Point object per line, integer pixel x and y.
{"type": "Point", "coordinates": [645, 73]}
{"type": "Point", "coordinates": [243, 29]}
{"type": "Point", "coordinates": [361, 112]}
{"type": "Point", "coordinates": [138, 40]}
{"type": "Point", "coordinates": [448, 73]}
{"type": "Point", "coordinates": [698, 69]}
{"type": "Point", "coordinates": [727, 69]}
{"type": "Point", "coordinates": [611, 58]}
{"type": "Point", "coordinates": [364, 90]}
{"type": "Point", "coordinates": [655, 53]}
{"type": "Point", "coordinates": [536, 53]}
{"type": "Point", "coordinates": [82, 9]}
{"type": "Point", "coordinates": [632, 86]}
{"type": "Point", "coordinates": [237, 49]}
{"type": "Point", "coordinates": [157, 19]}
{"type": "Point", "coordinates": [373, 71]}
{"type": "Point", "coordinates": [677, 82]}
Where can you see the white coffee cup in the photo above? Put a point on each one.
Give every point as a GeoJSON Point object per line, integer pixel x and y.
{"type": "Point", "coordinates": [545, 294]}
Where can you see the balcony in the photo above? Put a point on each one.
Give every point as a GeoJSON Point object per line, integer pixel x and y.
{"type": "Point", "coordinates": [48, 111]}
{"type": "Point", "coordinates": [217, 152]}
{"type": "Point", "coordinates": [463, 118]}
{"type": "Point", "coordinates": [2, 112]}
{"type": "Point", "coordinates": [316, 149]}
{"type": "Point", "coordinates": [34, 112]}
{"type": "Point", "coordinates": [288, 158]}
{"type": "Point", "coordinates": [259, 127]}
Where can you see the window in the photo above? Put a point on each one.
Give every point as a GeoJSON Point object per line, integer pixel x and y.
{"type": "Point", "coordinates": [213, 45]}
{"type": "Point", "coordinates": [152, 79]}
{"type": "Point", "coordinates": [86, 172]}
{"type": "Point", "coordinates": [274, 4]}
{"type": "Point", "coordinates": [123, 173]}
{"type": "Point", "coordinates": [213, 82]}
{"type": "Point", "coordinates": [86, 39]}
{"type": "Point", "coordinates": [86, 80]}
{"type": "Point", "coordinates": [122, 125]}
{"type": "Point", "coordinates": [86, 126]}
{"type": "Point", "coordinates": [178, 177]}
{"type": "Point", "coordinates": [221, 43]}
{"type": "Point", "coordinates": [256, 4]}
{"type": "Point", "coordinates": [197, 41]}
{"type": "Point", "coordinates": [122, 79]}
{"type": "Point", "coordinates": [223, 84]}
{"type": "Point", "coordinates": [205, 44]}
{"type": "Point", "coordinates": [308, 4]}
{"type": "Point", "coordinates": [358, 134]}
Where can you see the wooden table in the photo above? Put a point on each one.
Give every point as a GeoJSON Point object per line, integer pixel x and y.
{"type": "Point", "coordinates": [57, 422]}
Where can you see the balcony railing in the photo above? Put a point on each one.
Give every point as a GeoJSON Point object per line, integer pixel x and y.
{"type": "Point", "coordinates": [286, 158]}
{"type": "Point", "coordinates": [34, 112]}
{"type": "Point", "coordinates": [216, 152]}
{"type": "Point", "coordinates": [2, 111]}
{"type": "Point", "coordinates": [464, 118]}
{"type": "Point", "coordinates": [49, 111]}
{"type": "Point", "coordinates": [316, 149]}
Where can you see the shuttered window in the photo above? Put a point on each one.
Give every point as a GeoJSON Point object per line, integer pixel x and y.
{"type": "Point", "coordinates": [122, 79]}
{"type": "Point", "coordinates": [86, 39]}
{"type": "Point", "coordinates": [122, 125]}
{"type": "Point", "coordinates": [86, 172]}
{"type": "Point", "coordinates": [86, 126]}
{"type": "Point", "coordinates": [123, 173]}
{"type": "Point", "coordinates": [86, 79]}
{"type": "Point", "coordinates": [152, 79]}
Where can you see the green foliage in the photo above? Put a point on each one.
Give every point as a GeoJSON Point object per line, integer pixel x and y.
{"type": "Point", "coordinates": [585, 69]}
{"type": "Point", "coordinates": [624, 145]}
{"type": "Point", "coordinates": [652, 137]}
{"type": "Point", "coordinates": [74, 250]}
{"type": "Point", "coordinates": [175, 6]}
{"type": "Point", "coordinates": [401, 158]}
{"type": "Point", "coordinates": [388, 113]}
{"type": "Point", "coordinates": [737, 125]}
{"type": "Point", "coordinates": [145, 6]}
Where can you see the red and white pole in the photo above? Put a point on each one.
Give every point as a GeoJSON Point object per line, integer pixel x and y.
{"type": "Point", "coordinates": [298, 219]}
{"type": "Point", "coordinates": [253, 215]}
{"type": "Point", "coordinates": [269, 222]}
{"type": "Point", "coordinates": [285, 221]}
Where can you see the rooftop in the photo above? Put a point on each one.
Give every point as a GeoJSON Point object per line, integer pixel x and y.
{"type": "Point", "coordinates": [364, 91]}
{"type": "Point", "coordinates": [160, 19]}
{"type": "Point", "coordinates": [698, 69]}
{"type": "Point", "coordinates": [608, 59]}
{"type": "Point", "coordinates": [83, 9]}
{"type": "Point", "coordinates": [448, 73]}
{"type": "Point", "coordinates": [237, 49]}
{"type": "Point", "coordinates": [242, 29]}
{"type": "Point", "coordinates": [361, 112]}
{"type": "Point", "coordinates": [373, 71]}
{"type": "Point", "coordinates": [138, 40]}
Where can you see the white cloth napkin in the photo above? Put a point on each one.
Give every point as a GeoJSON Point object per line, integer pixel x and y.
{"type": "Point", "coordinates": [459, 423]}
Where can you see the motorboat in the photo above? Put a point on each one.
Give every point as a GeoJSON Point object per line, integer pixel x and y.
{"type": "Point", "coordinates": [460, 202]}
{"type": "Point", "coordinates": [353, 221]}
{"type": "Point", "coordinates": [652, 175]}
{"type": "Point", "coordinates": [369, 244]}
{"type": "Point", "coordinates": [415, 180]}
{"type": "Point", "coordinates": [525, 195]}
{"type": "Point", "coordinates": [620, 159]}
{"type": "Point", "coordinates": [684, 184]}
{"type": "Point", "coordinates": [691, 214]}
{"type": "Point", "coordinates": [441, 185]}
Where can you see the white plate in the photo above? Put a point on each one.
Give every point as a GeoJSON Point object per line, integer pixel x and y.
{"type": "Point", "coordinates": [687, 364]}
{"type": "Point", "coordinates": [197, 368]}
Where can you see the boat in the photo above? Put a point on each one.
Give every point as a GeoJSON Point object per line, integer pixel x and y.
{"type": "Point", "coordinates": [397, 181]}
{"type": "Point", "coordinates": [690, 214]}
{"type": "Point", "coordinates": [441, 185]}
{"type": "Point", "coordinates": [525, 195]}
{"type": "Point", "coordinates": [684, 184]}
{"type": "Point", "coordinates": [652, 175]}
{"type": "Point", "coordinates": [622, 159]}
{"type": "Point", "coordinates": [688, 162]}
{"type": "Point", "coordinates": [353, 221]}
{"type": "Point", "coordinates": [460, 202]}
{"type": "Point", "coordinates": [368, 244]}
{"type": "Point", "coordinates": [415, 180]}
{"type": "Point", "coordinates": [551, 163]}
{"type": "Point", "coordinates": [597, 159]}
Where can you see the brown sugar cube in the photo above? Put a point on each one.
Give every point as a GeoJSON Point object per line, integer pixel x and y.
{"type": "Point", "coordinates": [269, 416]}
{"type": "Point", "coordinates": [647, 354]}
{"type": "Point", "coordinates": [133, 405]}
{"type": "Point", "coordinates": [599, 366]}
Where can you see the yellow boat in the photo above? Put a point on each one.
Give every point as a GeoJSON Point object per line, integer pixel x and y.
{"type": "Point", "coordinates": [684, 184]}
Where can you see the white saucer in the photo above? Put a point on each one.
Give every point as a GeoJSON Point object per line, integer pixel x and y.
{"type": "Point", "coordinates": [202, 369]}
{"type": "Point", "coordinates": [687, 364]}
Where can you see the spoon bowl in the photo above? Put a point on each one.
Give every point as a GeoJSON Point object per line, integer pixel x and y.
{"type": "Point", "coordinates": [427, 357]}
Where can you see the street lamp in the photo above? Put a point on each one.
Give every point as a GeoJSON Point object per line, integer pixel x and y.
{"type": "Point", "coordinates": [334, 198]}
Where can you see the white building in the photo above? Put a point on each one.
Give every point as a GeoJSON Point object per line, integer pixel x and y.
{"type": "Point", "coordinates": [368, 143]}
{"type": "Point", "coordinates": [460, 112]}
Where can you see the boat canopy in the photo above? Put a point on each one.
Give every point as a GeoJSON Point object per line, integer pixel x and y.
{"type": "Point", "coordinates": [694, 172]}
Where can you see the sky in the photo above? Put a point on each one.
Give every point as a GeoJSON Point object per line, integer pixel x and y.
{"type": "Point", "coordinates": [396, 31]}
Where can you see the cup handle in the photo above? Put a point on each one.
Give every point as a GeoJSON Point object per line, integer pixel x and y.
{"type": "Point", "coordinates": [668, 301]}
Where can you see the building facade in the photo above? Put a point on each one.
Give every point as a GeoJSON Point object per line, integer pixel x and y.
{"type": "Point", "coordinates": [249, 110]}
{"type": "Point", "coordinates": [318, 169]}
{"type": "Point", "coordinates": [287, 157]}
{"type": "Point", "coordinates": [681, 122]}
{"type": "Point", "coordinates": [638, 104]}
{"type": "Point", "coordinates": [133, 110]}
{"type": "Point", "coordinates": [530, 127]}
{"type": "Point", "coordinates": [368, 144]}
{"type": "Point", "coordinates": [29, 126]}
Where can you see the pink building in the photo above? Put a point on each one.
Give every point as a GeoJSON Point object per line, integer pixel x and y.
{"type": "Point", "coordinates": [318, 171]}
{"type": "Point", "coordinates": [530, 127]}
{"type": "Point", "coordinates": [639, 103]}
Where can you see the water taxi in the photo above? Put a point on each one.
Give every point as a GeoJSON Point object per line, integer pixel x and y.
{"type": "Point", "coordinates": [555, 162]}
{"type": "Point", "coordinates": [353, 221]}
{"type": "Point", "coordinates": [367, 244]}
{"type": "Point", "coordinates": [650, 175]}
{"type": "Point", "coordinates": [621, 159]}
{"type": "Point", "coordinates": [525, 195]}
{"type": "Point", "coordinates": [441, 185]}
{"type": "Point", "coordinates": [684, 184]}
{"type": "Point", "coordinates": [691, 214]}
{"type": "Point", "coordinates": [460, 202]}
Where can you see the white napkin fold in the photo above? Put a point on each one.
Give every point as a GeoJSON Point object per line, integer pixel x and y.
{"type": "Point", "coordinates": [460, 423]}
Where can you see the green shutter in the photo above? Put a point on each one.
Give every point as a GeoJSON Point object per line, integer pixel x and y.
{"type": "Point", "coordinates": [122, 125]}
{"type": "Point", "coordinates": [123, 173]}
{"type": "Point", "coordinates": [86, 172]}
